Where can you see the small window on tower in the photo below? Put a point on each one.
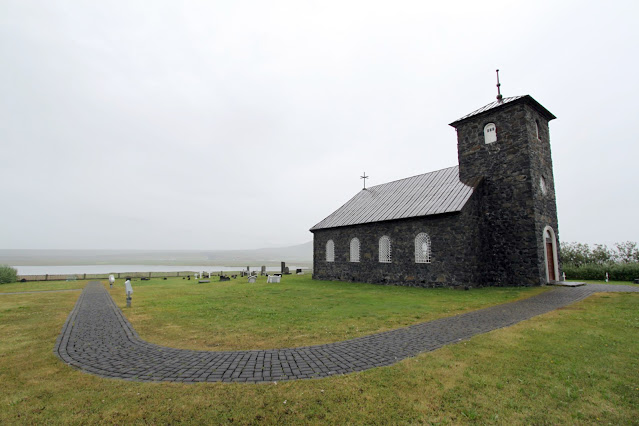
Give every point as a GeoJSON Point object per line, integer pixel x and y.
{"type": "Point", "coordinates": [542, 185]}
{"type": "Point", "coordinates": [537, 129]}
{"type": "Point", "coordinates": [490, 133]}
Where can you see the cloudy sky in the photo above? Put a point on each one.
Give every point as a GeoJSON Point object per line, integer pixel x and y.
{"type": "Point", "coordinates": [228, 125]}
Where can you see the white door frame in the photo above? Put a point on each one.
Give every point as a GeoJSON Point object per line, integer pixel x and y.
{"type": "Point", "coordinates": [555, 259]}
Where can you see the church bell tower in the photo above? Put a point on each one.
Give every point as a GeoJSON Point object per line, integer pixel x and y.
{"type": "Point", "coordinates": [505, 146]}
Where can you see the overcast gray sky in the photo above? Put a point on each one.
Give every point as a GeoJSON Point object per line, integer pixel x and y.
{"type": "Point", "coordinates": [227, 125]}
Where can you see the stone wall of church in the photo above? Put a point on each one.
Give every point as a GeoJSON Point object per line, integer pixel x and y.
{"type": "Point", "coordinates": [497, 239]}
{"type": "Point", "coordinates": [513, 209]}
{"type": "Point", "coordinates": [545, 204]}
{"type": "Point", "coordinates": [455, 247]}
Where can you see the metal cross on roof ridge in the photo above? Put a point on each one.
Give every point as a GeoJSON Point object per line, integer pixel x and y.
{"type": "Point", "coordinates": [364, 177]}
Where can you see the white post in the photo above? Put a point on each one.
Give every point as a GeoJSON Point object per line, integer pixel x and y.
{"type": "Point", "coordinates": [129, 292]}
{"type": "Point", "coordinates": [606, 276]}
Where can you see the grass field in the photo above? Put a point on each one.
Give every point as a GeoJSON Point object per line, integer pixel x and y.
{"type": "Point", "coordinates": [42, 285]}
{"type": "Point", "coordinates": [578, 365]}
{"type": "Point", "coordinates": [297, 312]}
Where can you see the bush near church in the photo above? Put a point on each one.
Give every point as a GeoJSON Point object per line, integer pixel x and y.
{"type": "Point", "coordinates": [8, 274]}
{"type": "Point", "coordinates": [582, 262]}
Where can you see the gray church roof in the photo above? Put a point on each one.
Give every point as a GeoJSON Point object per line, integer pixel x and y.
{"type": "Point", "coordinates": [422, 195]}
{"type": "Point", "coordinates": [521, 98]}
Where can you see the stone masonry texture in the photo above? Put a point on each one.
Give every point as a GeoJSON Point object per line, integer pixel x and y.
{"type": "Point", "coordinates": [497, 239]}
{"type": "Point", "coordinates": [98, 339]}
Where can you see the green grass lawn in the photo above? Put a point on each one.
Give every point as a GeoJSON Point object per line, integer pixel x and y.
{"type": "Point", "coordinates": [576, 365]}
{"type": "Point", "coordinates": [296, 312]}
{"type": "Point", "coordinates": [42, 285]}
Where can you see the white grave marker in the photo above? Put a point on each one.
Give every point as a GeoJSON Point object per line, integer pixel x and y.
{"type": "Point", "coordinates": [129, 291]}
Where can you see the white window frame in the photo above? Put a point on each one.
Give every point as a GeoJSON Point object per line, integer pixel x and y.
{"type": "Point", "coordinates": [355, 246]}
{"type": "Point", "coordinates": [421, 256]}
{"type": "Point", "coordinates": [385, 249]}
{"type": "Point", "coordinates": [330, 251]}
{"type": "Point", "coordinates": [543, 185]}
{"type": "Point", "coordinates": [490, 133]}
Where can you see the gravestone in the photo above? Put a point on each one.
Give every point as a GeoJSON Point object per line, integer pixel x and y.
{"type": "Point", "coordinates": [224, 278]}
{"type": "Point", "coordinates": [252, 279]}
{"type": "Point", "coordinates": [298, 271]}
{"type": "Point", "coordinates": [273, 278]}
{"type": "Point", "coordinates": [263, 270]}
{"type": "Point", "coordinates": [129, 291]}
{"type": "Point", "coordinates": [204, 281]}
{"type": "Point", "coordinates": [283, 267]}
{"type": "Point", "coordinates": [111, 280]}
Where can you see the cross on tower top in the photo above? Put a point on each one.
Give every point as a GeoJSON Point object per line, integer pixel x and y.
{"type": "Point", "coordinates": [364, 177]}
{"type": "Point", "coordinates": [499, 96]}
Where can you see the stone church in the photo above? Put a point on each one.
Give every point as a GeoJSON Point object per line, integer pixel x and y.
{"type": "Point", "coordinates": [490, 221]}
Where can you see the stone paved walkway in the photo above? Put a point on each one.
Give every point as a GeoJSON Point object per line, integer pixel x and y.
{"type": "Point", "coordinates": [97, 339]}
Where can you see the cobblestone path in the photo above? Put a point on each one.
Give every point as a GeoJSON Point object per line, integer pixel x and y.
{"type": "Point", "coordinates": [97, 339]}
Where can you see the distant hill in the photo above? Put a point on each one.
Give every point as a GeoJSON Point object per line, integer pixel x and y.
{"type": "Point", "coordinates": [301, 255]}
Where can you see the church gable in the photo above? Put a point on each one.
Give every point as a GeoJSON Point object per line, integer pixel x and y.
{"type": "Point", "coordinates": [423, 195]}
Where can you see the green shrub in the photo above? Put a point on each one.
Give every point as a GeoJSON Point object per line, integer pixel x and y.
{"type": "Point", "coordinates": [8, 274]}
{"type": "Point", "coordinates": [591, 271]}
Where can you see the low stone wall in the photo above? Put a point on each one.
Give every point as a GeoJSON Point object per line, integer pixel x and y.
{"type": "Point", "coordinates": [117, 275]}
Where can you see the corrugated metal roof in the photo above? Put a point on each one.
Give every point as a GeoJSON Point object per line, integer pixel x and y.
{"type": "Point", "coordinates": [490, 106]}
{"type": "Point", "coordinates": [423, 195]}
{"type": "Point", "coordinates": [504, 101]}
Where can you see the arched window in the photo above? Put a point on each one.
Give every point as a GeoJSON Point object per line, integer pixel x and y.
{"type": "Point", "coordinates": [422, 248]}
{"type": "Point", "coordinates": [542, 185]}
{"type": "Point", "coordinates": [330, 251]}
{"type": "Point", "coordinates": [385, 249]}
{"type": "Point", "coordinates": [490, 133]}
{"type": "Point", "coordinates": [355, 250]}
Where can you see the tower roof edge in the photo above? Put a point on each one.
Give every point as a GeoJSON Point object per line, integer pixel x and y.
{"type": "Point", "coordinates": [502, 103]}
